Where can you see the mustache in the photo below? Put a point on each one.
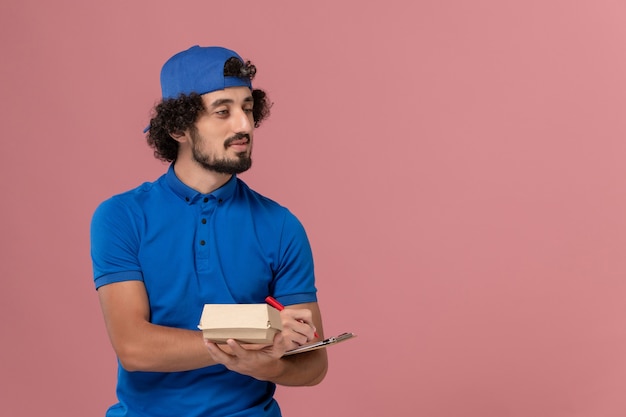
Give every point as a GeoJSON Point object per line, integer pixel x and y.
{"type": "Point", "coordinates": [235, 137]}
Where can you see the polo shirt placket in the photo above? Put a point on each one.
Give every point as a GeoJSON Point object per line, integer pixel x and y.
{"type": "Point", "coordinates": [206, 208]}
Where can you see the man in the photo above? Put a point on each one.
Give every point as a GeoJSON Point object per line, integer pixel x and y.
{"type": "Point", "coordinates": [199, 235]}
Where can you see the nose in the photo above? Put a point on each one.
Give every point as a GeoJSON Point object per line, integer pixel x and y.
{"type": "Point", "coordinates": [243, 122]}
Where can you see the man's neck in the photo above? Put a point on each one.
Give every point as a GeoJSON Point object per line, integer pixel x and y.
{"type": "Point", "coordinates": [199, 178]}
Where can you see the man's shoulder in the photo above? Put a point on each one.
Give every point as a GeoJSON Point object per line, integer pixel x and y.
{"type": "Point", "coordinates": [134, 197]}
{"type": "Point", "coordinates": [255, 197]}
{"type": "Point", "coordinates": [137, 192]}
{"type": "Point", "coordinates": [266, 210]}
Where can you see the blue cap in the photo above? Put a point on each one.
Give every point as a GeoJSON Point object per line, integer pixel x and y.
{"type": "Point", "coordinates": [199, 69]}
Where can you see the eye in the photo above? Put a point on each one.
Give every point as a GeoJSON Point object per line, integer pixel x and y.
{"type": "Point", "coordinates": [222, 112]}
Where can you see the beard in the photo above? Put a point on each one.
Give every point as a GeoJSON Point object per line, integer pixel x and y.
{"type": "Point", "coordinates": [241, 162]}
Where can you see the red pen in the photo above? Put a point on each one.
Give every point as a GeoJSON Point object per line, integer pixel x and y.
{"type": "Point", "coordinates": [278, 306]}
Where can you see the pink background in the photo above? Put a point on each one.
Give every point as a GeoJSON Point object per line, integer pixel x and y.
{"type": "Point", "coordinates": [459, 167]}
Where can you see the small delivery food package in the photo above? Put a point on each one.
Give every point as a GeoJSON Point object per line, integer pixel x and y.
{"type": "Point", "coordinates": [246, 323]}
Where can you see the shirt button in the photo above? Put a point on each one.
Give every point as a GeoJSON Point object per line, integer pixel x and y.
{"type": "Point", "coordinates": [220, 201]}
{"type": "Point", "coordinates": [206, 199]}
{"type": "Point", "coordinates": [202, 243]}
{"type": "Point", "coordinates": [187, 199]}
{"type": "Point", "coordinates": [203, 221]}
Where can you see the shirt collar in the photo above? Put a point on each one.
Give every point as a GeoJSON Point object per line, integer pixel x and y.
{"type": "Point", "coordinates": [191, 196]}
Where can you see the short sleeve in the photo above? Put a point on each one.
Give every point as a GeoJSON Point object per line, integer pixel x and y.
{"type": "Point", "coordinates": [294, 282]}
{"type": "Point", "coordinates": [114, 243]}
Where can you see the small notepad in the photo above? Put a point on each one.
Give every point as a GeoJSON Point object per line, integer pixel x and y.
{"type": "Point", "coordinates": [321, 344]}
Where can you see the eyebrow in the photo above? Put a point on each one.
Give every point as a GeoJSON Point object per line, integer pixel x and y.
{"type": "Point", "coordinates": [222, 101]}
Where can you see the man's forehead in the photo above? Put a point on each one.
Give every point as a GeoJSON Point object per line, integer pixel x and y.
{"type": "Point", "coordinates": [230, 94]}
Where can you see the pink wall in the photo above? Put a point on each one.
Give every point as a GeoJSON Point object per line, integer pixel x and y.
{"type": "Point", "coordinates": [459, 166]}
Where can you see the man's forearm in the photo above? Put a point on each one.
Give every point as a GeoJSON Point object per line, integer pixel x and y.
{"type": "Point", "coordinates": [164, 349]}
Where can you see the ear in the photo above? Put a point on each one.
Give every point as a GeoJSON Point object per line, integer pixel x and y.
{"type": "Point", "coordinates": [180, 137]}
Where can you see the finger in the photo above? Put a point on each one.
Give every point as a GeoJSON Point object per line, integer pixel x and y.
{"type": "Point", "coordinates": [292, 338]}
{"type": "Point", "coordinates": [304, 316]}
{"type": "Point", "coordinates": [216, 353]}
{"type": "Point", "coordinates": [236, 348]}
{"type": "Point", "coordinates": [299, 314]}
{"type": "Point", "coordinates": [305, 330]}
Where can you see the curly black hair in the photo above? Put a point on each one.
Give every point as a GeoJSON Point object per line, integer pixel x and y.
{"type": "Point", "coordinates": [175, 115]}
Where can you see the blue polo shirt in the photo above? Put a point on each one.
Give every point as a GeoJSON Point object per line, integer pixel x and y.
{"type": "Point", "coordinates": [189, 249]}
